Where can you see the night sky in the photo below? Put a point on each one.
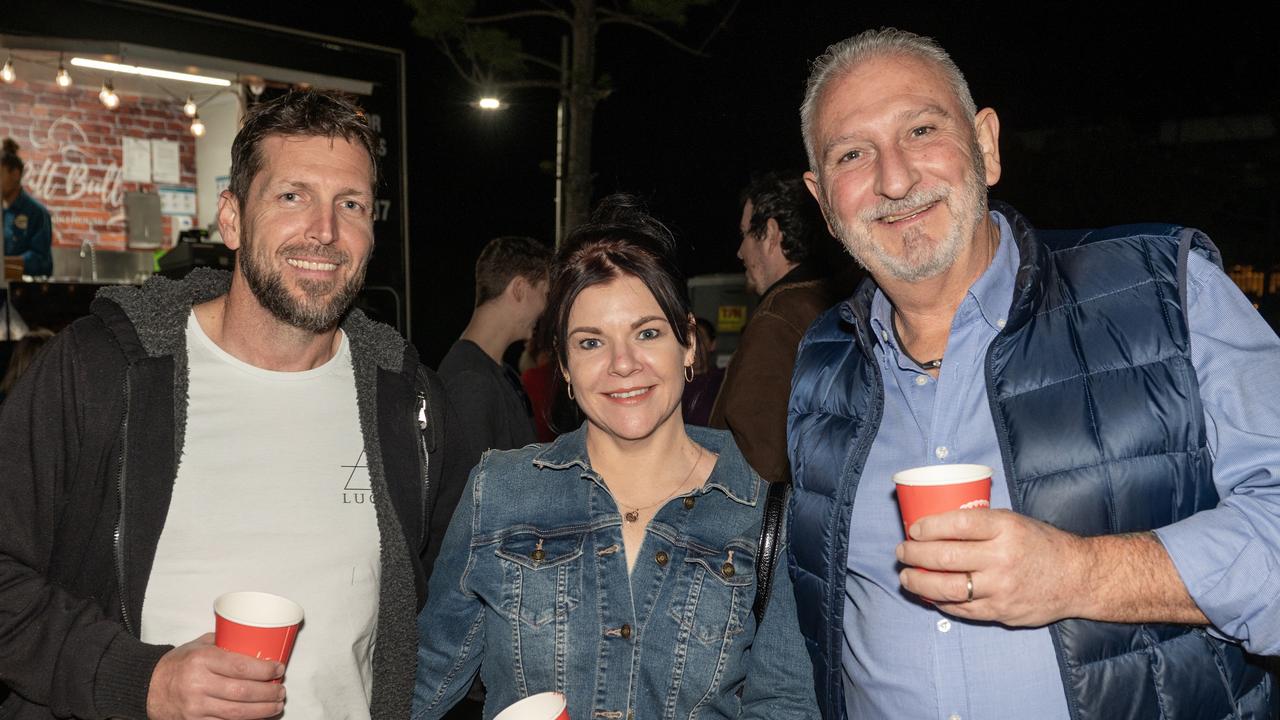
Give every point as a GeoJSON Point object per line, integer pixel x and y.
{"type": "Point", "coordinates": [686, 131]}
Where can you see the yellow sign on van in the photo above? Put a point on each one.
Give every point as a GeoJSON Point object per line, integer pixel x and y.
{"type": "Point", "coordinates": [731, 318]}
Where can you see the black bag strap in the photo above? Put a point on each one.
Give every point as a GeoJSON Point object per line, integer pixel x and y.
{"type": "Point", "coordinates": [775, 507]}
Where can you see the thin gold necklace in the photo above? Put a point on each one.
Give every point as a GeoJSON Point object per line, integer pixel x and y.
{"type": "Point", "coordinates": [634, 514]}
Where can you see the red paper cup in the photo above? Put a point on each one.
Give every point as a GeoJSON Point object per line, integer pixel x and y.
{"type": "Point", "coordinates": [257, 624]}
{"type": "Point", "coordinates": [543, 706]}
{"type": "Point", "coordinates": [935, 489]}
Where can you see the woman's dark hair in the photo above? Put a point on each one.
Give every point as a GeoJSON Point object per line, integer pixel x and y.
{"type": "Point", "coordinates": [621, 238]}
{"type": "Point", "coordinates": [9, 156]}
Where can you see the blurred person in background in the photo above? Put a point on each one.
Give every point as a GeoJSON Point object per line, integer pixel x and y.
{"type": "Point", "coordinates": [538, 378]}
{"type": "Point", "coordinates": [700, 392]}
{"type": "Point", "coordinates": [28, 229]}
{"type": "Point", "coordinates": [783, 248]}
{"type": "Point", "coordinates": [486, 393]}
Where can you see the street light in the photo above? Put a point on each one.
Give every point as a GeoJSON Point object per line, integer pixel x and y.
{"type": "Point", "coordinates": [492, 103]}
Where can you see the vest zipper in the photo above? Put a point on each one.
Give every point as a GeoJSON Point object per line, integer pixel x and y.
{"type": "Point", "coordinates": [1015, 504]}
{"type": "Point", "coordinates": [119, 530]}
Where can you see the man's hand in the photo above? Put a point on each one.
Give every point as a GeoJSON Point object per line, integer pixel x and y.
{"type": "Point", "coordinates": [1029, 573]}
{"type": "Point", "coordinates": [201, 680]}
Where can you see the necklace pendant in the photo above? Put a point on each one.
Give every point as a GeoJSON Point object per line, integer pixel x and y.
{"type": "Point", "coordinates": [631, 515]}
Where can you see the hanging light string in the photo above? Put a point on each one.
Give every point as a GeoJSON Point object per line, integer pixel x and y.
{"type": "Point", "coordinates": [107, 94]}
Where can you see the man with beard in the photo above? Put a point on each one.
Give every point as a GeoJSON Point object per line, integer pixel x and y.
{"type": "Point", "coordinates": [1127, 565]}
{"type": "Point", "coordinates": [228, 432]}
{"type": "Point", "coordinates": [780, 251]}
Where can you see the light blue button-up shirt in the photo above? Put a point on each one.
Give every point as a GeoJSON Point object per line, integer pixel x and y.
{"type": "Point", "coordinates": [904, 658]}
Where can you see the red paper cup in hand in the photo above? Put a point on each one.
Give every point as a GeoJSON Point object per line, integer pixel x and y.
{"type": "Point", "coordinates": [936, 489]}
{"type": "Point", "coordinates": [257, 624]}
{"type": "Point", "coordinates": [543, 706]}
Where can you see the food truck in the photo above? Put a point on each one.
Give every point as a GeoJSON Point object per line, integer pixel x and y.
{"type": "Point", "coordinates": [123, 113]}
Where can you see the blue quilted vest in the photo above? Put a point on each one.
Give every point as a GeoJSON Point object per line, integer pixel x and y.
{"type": "Point", "coordinates": [1097, 410]}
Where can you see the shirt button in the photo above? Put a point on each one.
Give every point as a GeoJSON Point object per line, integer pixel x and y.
{"type": "Point", "coordinates": [688, 503]}
{"type": "Point", "coordinates": [999, 324]}
{"type": "Point", "coordinates": [920, 379]}
{"type": "Point", "coordinates": [626, 631]}
{"type": "Point", "coordinates": [727, 569]}
{"type": "Point", "coordinates": [954, 716]}
{"type": "Point", "coordinates": [661, 558]}
{"type": "Point", "coordinates": [941, 452]}
{"type": "Point", "coordinates": [884, 335]}
{"type": "Point", "coordinates": [944, 626]}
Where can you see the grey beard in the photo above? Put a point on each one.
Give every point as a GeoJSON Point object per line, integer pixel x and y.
{"type": "Point", "coordinates": [868, 254]}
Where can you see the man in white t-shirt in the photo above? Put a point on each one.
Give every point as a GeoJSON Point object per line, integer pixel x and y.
{"type": "Point", "coordinates": [229, 432]}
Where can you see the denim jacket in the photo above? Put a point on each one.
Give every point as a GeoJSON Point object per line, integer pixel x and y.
{"type": "Point", "coordinates": [532, 589]}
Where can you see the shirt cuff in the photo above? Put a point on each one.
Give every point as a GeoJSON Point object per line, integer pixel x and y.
{"type": "Point", "coordinates": [1230, 573]}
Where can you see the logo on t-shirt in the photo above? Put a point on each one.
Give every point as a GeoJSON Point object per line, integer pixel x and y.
{"type": "Point", "coordinates": [356, 490]}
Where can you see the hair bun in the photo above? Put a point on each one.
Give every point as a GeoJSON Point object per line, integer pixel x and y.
{"type": "Point", "coordinates": [620, 209]}
{"type": "Point", "coordinates": [10, 146]}
{"type": "Point", "coordinates": [628, 215]}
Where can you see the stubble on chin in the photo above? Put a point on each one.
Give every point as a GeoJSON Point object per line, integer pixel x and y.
{"type": "Point", "coordinates": [322, 303]}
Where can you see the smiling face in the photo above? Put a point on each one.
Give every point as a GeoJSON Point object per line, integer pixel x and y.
{"type": "Point", "coordinates": [902, 169]}
{"type": "Point", "coordinates": [305, 233]}
{"type": "Point", "coordinates": [624, 360]}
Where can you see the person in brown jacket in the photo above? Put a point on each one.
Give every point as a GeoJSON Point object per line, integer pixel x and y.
{"type": "Point", "coordinates": [785, 250]}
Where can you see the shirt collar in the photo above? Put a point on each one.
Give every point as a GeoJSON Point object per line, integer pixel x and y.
{"type": "Point", "coordinates": [991, 294]}
{"type": "Point", "coordinates": [731, 474]}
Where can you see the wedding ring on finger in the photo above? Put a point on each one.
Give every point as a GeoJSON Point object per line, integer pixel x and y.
{"type": "Point", "coordinates": [968, 584]}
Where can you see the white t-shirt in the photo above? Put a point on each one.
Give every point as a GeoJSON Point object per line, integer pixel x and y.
{"type": "Point", "coordinates": [273, 494]}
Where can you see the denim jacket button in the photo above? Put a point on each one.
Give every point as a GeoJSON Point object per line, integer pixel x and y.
{"type": "Point", "coordinates": [661, 557]}
{"type": "Point", "coordinates": [688, 503]}
{"type": "Point", "coordinates": [538, 555]}
{"type": "Point", "coordinates": [727, 569]}
{"type": "Point", "coordinates": [626, 631]}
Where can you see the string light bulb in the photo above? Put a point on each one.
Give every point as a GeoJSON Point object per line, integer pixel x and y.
{"type": "Point", "coordinates": [197, 127]}
{"type": "Point", "coordinates": [63, 78]}
{"type": "Point", "coordinates": [108, 95]}
{"type": "Point", "coordinates": [6, 73]}
{"type": "Point", "coordinates": [189, 107]}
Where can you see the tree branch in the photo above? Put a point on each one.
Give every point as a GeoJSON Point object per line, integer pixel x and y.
{"type": "Point", "coordinates": [724, 21]}
{"type": "Point", "coordinates": [514, 84]}
{"type": "Point", "coordinates": [540, 61]}
{"type": "Point", "coordinates": [517, 15]}
{"type": "Point", "coordinates": [611, 17]}
{"type": "Point", "coordinates": [470, 76]}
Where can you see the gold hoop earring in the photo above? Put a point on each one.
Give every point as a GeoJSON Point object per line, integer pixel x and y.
{"type": "Point", "coordinates": [688, 373]}
{"type": "Point", "coordinates": [570, 386]}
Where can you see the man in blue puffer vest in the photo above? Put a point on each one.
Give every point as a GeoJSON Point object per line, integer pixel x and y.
{"type": "Point", "coordinates": [1121, 389]}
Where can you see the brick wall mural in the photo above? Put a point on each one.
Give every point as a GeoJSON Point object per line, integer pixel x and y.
{"type": "Point", "coordinates": [71, 146]}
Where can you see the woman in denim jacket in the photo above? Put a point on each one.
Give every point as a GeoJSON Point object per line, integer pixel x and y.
{"type": "Point", "coordinates": [617, 564]}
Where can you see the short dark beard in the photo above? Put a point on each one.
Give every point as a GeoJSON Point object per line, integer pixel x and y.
{"type": "Point", "coordinates": [269, 288]}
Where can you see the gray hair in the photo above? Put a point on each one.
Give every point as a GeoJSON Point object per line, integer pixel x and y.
{"type": "Point", "coordinates": [842, 57]}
